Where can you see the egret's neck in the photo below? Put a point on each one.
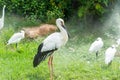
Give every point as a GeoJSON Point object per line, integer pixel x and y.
{"type": "Point", "coordinates": [3, 13]}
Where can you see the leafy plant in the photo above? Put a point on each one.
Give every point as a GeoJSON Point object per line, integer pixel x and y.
{"type": "Point", "coordinates": [47, 10]}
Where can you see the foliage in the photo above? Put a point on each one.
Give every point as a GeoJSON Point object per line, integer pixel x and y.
{"type": "Point", "coordinates": [93, 7]}
{"type": "Point", "coordinates": [45, 10]}
{"type": "Point", "coordinates": [49, 10]}
{"type": "Point", "coordinates": [95, 11]}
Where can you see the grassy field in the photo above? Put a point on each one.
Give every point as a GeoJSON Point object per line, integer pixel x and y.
{"type": "Point", "coordinates": [71, 62]}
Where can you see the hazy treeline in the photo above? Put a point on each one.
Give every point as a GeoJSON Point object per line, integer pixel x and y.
{"type": "Point", "coordinates": [47, 10]}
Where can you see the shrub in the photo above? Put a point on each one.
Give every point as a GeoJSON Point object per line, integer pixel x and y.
{"type": "Point", "coordinates": [45, 10]}
{"type": "Point", "coordinates": [48, 10]}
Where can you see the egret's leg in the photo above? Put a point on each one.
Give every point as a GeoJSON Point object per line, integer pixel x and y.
{"type": "Point", "coordinates": [110, 63]}
{"type": "Point", "coordinates": [16, 45]}
{"type": "Point", "coordinates": [96, 54]}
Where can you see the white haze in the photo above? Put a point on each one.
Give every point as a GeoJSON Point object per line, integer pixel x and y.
{"type": "Point", "coordinates": [112, 24]}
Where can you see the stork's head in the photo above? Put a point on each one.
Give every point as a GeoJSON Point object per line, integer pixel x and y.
{"type": "Point", "coordinates": [60, 22]}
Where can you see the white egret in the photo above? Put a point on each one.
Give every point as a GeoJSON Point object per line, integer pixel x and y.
{"type": "Point", "coordinates": [16, 37]}
{"type": "Point", "coordinates": [109, 54]}
{"type": "Point", "coordinates": [2, 18]}
{"type": "Point", "coordinates": [96, 46]}
{"type": "Point", "coordinates": [51, 44]}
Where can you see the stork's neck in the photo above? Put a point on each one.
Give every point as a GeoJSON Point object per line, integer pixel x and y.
{"type": "Point", "coordinates": [63, 31]}
{"type": "Point", "coordinates": [3, 13]}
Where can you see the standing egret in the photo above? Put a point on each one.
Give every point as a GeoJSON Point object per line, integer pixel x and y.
{"type": "Point", "coordinates": [109, 54]}
{"type": "Point", "coordinates": [2, 18]}
{"type": "Point", "coordinates": [96, 46]}
{"type": "Point", "coordinates": [16, 38]}
{"type": "Point", "coordinates": [51, 44]}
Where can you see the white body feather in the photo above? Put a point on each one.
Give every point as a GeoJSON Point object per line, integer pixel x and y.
{"type": "Point", "coordinates": [109, 55]}
{"type": "Point", "coordinates": [96, 45]}
{"type": "Point", "coordinates": [2, 18]}
{"type": "Point", "coordinates": [16, 38]}
{"type": "Point", "coordinates": [53, 41]}
{"type": "Point", "coordinates": [1, 23]}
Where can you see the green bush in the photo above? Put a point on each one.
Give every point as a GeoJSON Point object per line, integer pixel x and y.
{"type": "Point", "coordinates": [44, 10]}
{"type": "Point", "coordinates": [48, 10]}
{"type": "Point", "coordinates": [95, 8]}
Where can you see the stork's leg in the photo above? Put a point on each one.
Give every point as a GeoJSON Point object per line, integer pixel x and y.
{"type": "Point", "coordinates": [50, 65]}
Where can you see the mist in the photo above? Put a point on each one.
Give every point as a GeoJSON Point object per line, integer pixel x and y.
{"type": "Point", "coordinates": [112, 24]}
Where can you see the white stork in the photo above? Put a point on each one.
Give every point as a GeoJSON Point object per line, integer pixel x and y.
{"type": "Point", "coordinates": [51, 44]}
{"type": "Point", "coordinates": [16, 38]}
{"type": "Point", "coordinates": [96, 46]}
{"type": "Point", "coordinates": [2, 18]}
{"type": "Point", "coordinates": [109, 54]}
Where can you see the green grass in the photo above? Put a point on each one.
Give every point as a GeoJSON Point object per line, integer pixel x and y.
{"type": "Point", "coordinates": [71, 62]}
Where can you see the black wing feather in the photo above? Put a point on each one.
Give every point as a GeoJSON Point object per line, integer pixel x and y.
{"type": "Point", "coordinates": [41, 56]}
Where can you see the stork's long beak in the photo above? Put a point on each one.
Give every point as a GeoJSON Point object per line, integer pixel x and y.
{"type": "Point", "coordinates": [66, 30]}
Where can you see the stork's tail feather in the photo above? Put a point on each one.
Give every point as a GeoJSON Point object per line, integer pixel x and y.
{"type": "Point", "coordinates": [37, 60]}
{"type": "Point", "coordinates": [41, 56]}
{"type": "Point", "coordinates": [38, 56]}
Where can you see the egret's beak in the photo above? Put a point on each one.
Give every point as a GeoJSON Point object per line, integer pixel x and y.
{"type": "Point", "coordinates": [66, 30]}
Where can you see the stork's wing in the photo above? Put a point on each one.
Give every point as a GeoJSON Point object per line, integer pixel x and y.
{"type": "Point", "coordinates": [52, 42]}
{"type": "Point", "coordinates": [41, 56]}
